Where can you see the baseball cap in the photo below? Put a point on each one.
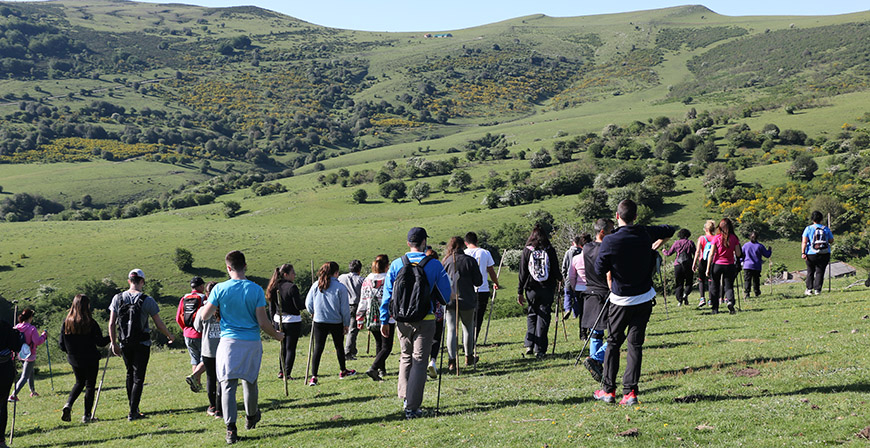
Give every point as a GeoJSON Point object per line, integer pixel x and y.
{"type": "Point", "coordinates": [136, 273]}
{"type": "Point", "coordinates": [196, 281]}
{"type": "Point", "coordinates": [417, 235]}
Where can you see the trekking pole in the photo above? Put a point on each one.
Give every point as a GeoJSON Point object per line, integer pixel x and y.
{"type": "Point", "coordinates": [739, 290]}
{"type": "Point", "coordinates": [664, 278]}
{"type": "Point", "coordinates": [14, 312]}
{"type": "Point", "coordinates": [14, 412]}
{"type": "Point", "coordinates": [556, 336]}
{"type": "Point", "coordinates": [770, 274]}
{"type": "Point", "coordinates": [100, 387]}
{"type": "Point", "coordinates": [369, 343]}
{"type": "Point", "coordinates": [282, 350]}
{"type": "Point", "coordinates": [440, 367]}
{"type": "Point", "coordinates": [492, 301]}
{"type": "Point", "coordinates": [310, 334]}
{"type": "Point", "coordinates": [456, 293]}
{"type": "Point", "coordinates": [594, 326]}
{"type": "Point", "coordinates": [48, 355]}
{"type": "Point", "coordinates": [473, 337]}
{"type": "Point", "coordinates": [829, 262]}
{"type": "Point", "coordinates": [564, 326]}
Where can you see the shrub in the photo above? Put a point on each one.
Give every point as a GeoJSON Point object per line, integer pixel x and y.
{"type": "Point", "coordinates": [231, 208]}
{"type": "Point", "coordinates": [420, 191]}
{"type": "Point", "coordinates": [183, 259]}
{"type": "Point", "coordinates": [360, 196]}
{"type": "Point", "coordinates": [803, 168]}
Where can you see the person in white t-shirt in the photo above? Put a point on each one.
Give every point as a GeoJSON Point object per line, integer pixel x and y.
{"type": "Point", "coordinates": [486, 263]}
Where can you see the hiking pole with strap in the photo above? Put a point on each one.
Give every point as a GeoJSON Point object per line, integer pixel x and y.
{"type": "Point", "coordinates": [595, 325]}
{"type": "Point", "coordinates": [48, 355]}
{"type": "Point", "coordinates": [492, 301]}
{"type": "Point", "coordinates": [310, 334]}
{"type": "Point", "coordinates": [100, 387]}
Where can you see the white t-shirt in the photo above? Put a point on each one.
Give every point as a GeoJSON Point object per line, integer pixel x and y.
{"type": "Point", "coordinates": [484, 261]}
{"type": "Point", "coordinates": [632, 300]}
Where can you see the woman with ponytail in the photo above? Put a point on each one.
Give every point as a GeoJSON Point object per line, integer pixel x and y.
{"type": "Point", "coordinates": [285, 303]}
{"type": "Point", "coordinates": [80, 335]}
{"type": "Point", "coordinates": [329, 305]}
{"type": "Point", "coordinates": [32, 338]}
{"type": "Point", "coordinates": [722, 264]}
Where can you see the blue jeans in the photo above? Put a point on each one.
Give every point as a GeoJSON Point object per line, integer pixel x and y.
{"type": "Point", "coordinates": [597, 345]}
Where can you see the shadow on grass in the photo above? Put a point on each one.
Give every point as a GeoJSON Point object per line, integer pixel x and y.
{"type": "Point", "coordinates": [208, 273]}
{"type": "Point", "coordinates": [668, 333]}
{"type": "Point", "coordinates": [436, 202]}
{"type": "Point", "coordinates": [162, 432]}
{"type": "Point", "coordinates": [666, 345]}
{"type": "Point", "coordinates": [4, 268]}
{"type": "Point", "coordinates": [760, 360]}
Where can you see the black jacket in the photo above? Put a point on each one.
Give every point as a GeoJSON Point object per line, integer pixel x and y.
{"type": "Point", "coordinates": [467, 274]}
{"type": "Point", "coordinates": [627, 254]}
{"type": "Point", "coordinates": [526, 280]}
{"type": "Point", "coordinates": [81, 349]}
{"type": "Point", "coordinates": [290, 300]}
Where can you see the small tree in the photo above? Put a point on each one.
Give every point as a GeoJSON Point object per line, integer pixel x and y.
{"type": "Point", "coordinates": [541, 159]}
{"type": "Point", "coordinates": [718, 179]}
{"type": "Point", "coordinates": [360, 196]}
{"type": "Point", "coordinates": [394, 190]}
{"type": "Point", "coordinates": [420, 191]}
{"type": "Point", "coordinates": [231, 208]}
{"type": "Point", "coordinates": [460, 180]}
{"type": "Point", "coordinates": [183, 259]}
{"type": "Point", "coordinates": [803, 168]}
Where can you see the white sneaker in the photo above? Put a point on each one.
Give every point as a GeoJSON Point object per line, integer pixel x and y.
{"type": "Point", "coordinates": [808, 292]}
{"type": "Point", "coordinates": [816, 292]}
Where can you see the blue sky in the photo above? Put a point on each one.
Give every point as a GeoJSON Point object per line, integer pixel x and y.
{"type": "Point", "coordinates": [436, 15]}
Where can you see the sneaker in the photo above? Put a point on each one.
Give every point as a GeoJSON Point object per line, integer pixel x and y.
{"type": "Point", "coordinates": [312, 381]}
{"type": "Point", "coordinates": [702, 303]}
{"type": "Point", "coordinates": [382, 373]}
{"type": "Point", "coordinates": [195, 385]}
{"type": "Point", "coordinates": [629, 399]}
{"type": "Point", "coordinates": [349, 357]}
{"type": "Point", "coordinates": [252, 420]}
{"type": "Point", "coordinates": [373, 374]}
{"type": "Point", "coordinates": [219, 415]}
{"type": "Point", "coordinates": [34, 394]}
{"type": "Point", "coordinates": [817, 292]}
{"type": "Point", "coordinates": [808, 292]}
{"type": "Point", "coordinates": [432, 372]}
{"type": "Point", "coordinates": [595, 369]}
{"type": "Point", "coordinates": [210, 411]}
{"type": "Point", "coordinates": [232, 434]}
{"type": "Point", "coordinates": [347, 373]}
{"type": "Point", "coordinates": [529, 351]}
{"type": "Point", "coordinates": [89, 419]}
{"type": "Point", "coordinates": [451, 365]}
{"type": "Point", "coordinates": [607, 397]}
{"type": "Point", "coordinates": [280, 375]}
{"type": "Point", "coordinates": [540, 356]}
{"type": "Point", "coordinates": [413, 413]}
{"type": "Point", "coordinates": [12, 399]}
{"type": "Point", "coordinates": [731, 309]}
{"type": "Point", "coordinates": [65, 415]}
{"type": "Point", "coordinates": [136, 416]}
{"type": "Point", "coordinates": [714, 311]}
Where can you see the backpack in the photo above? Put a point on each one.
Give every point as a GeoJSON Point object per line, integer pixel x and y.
{"type": "Point", "coordinates": [132, 329]}
{"type": "Point", "coordinates": [191, 304]}
{"type": "Point", "coordinates": [24, 350]}
{"type": "Point", "coordinates": [708, 249]}
{"type": "Point", "coordinates": [411, 296]}
{"type": "Point", "coordinates": [16, 340]}
{"type": "Point", "coordinates": [683, 257]}
{"type": "Point", "coordinates": [373, 295]}
{"type": "Point", "coordinates": [539, 265]}
{"type": "Point", "coordinates": [819, 240]}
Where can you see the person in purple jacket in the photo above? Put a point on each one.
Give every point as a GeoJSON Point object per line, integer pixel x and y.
{"type": "Point", "coordinates": [684, 248]}
{"type": "Point", "coordinates": [752, 263]}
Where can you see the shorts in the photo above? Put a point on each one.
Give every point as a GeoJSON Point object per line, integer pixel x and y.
{"type": "Point", "coordinates": [194, 348]}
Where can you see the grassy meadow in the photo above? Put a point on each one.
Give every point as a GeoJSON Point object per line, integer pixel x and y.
{"type": "Point", "coordinates": [788, 370]}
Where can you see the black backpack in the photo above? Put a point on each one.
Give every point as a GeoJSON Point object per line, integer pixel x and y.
{"type": "Point", "coordinates": [411, 301]}
{"type": "Point", "coordinates": [820, 239]}
{"type": "Point", "coordinates": [190, 306]}
{"type": "Point", "coordinates": [132, 329]}
{"type": "Point", "coordinates": [14, 338]}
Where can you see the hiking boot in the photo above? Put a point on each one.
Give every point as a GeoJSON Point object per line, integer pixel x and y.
{"type": "Point", "coordinates": [731, 309]}
{"type": "Point", "coordinates": [210, 411]}
{"type": "Point", "coordinates": [373, 374]}
{"type": "Point", "coordinates": [346, 373]}
{"type": "Point", "coordinates": [65, 415]}
{"type": "Point", "coordinates": [629, 399]}
{"type": "Point", "coordinates": [195, 385]}
{"type": "Point", "coordinates": [433, 373]}
{"type": "Point", "coordinates": [312, 381]}
{"type": "Point", "coordinates": [232, 434]}
{"type": "Point", "coordinates": [817, 292]}
{"type": "Point", "coordinates": [595, 369]}
{"type": "Point", "coordinates": [607, 397]}
{"type": "Point", "coordinates": [252, 420]}
{"type": "Point", "coordinates": [413, 413]}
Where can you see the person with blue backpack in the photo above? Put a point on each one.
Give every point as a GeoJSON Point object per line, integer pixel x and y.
{"type": "Point", "coordinates": [27, 354]}
{"type": "Point", "coordinates": [538, 281]}
{"type": "Point", "coordinates": [816, 251]}
{"type": "Point", "coordinates": [702, 254]}
{"type": "Point", "coordinates": [414, 282]}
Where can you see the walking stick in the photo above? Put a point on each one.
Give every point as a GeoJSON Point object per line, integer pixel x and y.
{"type": "Point", "coordinates": [770, 274]}
{"type": "Point", "coordinates": [282, 349]}
{"type": "Point", "coordinates": [310, 334]}
{"type": "Point", "coordinates": [14, 412]}
{"type": "Point", "coordinates": [829, 262]}
{"type": "Point", "coordinates": [456, 294]}
{"type": "Point", "coordinates": [564, 326]}
{"type": "Point", "coordinates": [492, 301]}
{"type": "Point", "coordinates": [473, 337]}
{"type": "Point", "coordinates": [664, 292]}
{"type": "Point", "coordinates": [440, 368]}
{"type": "Point", "coordinates": [369, 343]}
{"type": "Point", "coordinates": [48, 355]}
{"type": "Point", "coordinates": [14, 312]}
{"type": "Point", "coordinates": [100, 387]}
{"type": "Point", "coordinates": [739, 290]}
{"type": "Point", "coordinates": [556, 336]}
{"type": "Point", "coordinates": [600, 314]}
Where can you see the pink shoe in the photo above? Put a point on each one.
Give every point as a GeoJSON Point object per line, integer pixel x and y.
{"type": "Point", "coordinates": [12, 399]}
{"type": "Point", "coordinates": [34, 394]}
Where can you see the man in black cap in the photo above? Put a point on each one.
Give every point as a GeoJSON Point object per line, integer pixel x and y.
{"type": "Point", "coordinates": [187, 308]}
{"type": "Point", "coordinates": [415, 337]}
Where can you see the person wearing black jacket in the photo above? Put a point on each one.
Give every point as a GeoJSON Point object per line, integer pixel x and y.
{"type": "Point", "coordinates": [465, 275]}
{"type": "Point", "coordinates": [594, 299]}
{"type": "Point", "coordinates": [627, 255]}
{"type": "Point", "coordinates": [9, 343]}
{"type": "Point", "coordinates": [540, 292]}
{"type": "Point", "coordinates": [285, 304]}
{"type": "Point", "coordinates": [80, 335]}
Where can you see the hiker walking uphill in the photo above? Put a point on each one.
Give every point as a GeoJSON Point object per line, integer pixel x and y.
{"type": "Point", "coordinates": [27, 355]}
{"type": "Point", "coordinates": [702, 254]}
{"type": "Point", "coordinates": [129, 312]}
{"type": "Point", "coordinates": [594, 300]}
{"type": "Point", "coordinates": [285, 307]}
{"type": "Point", "coordinates": [485, 263]}
{"type": "Point", "coordinates": [816, 251]}
{"type": "Point", "coordinates": [327, 301]}
{"type": "Point", "coordinates": [242, 307]}
{"type": "Point", "coordinates": [576, 283]}
{"type": "Point", "coordinates": [211, 338]}
{"type": "Point", "coordinates": [684, 249]}
{"type": "Point", "coordinates": [369, 313]}
{"type": "Point", "coordinates": [414, 283]}
{"type": "Point", "coordinates": [187, 308]}
{"type": "Point", "coordinates": [722, 265]}
{"type": "Point", "coordinates": [80, 335]}
{"type": "Point", "coordinates": [10, 343]}
{"type": "Point", "coordinates": [570, 300]}
{"type": "Point", "coordinates": [753, 251]}
{"type": "Point", "coordinates": [538, 281]}
{"type": "Point", "coordinates": [627, 255]}
{"type": "Point", "coordinates": [465, 276]}
{"type": "Point", "coordinates": [353, 282]}
{"type": "Point", "coordinates": [439, 331]}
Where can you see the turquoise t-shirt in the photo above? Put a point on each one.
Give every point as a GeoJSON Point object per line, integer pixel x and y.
{"type": "Point", "coordinates": [237, 301]}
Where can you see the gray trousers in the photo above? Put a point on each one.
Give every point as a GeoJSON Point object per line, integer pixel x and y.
{"type": "Point", "coordinates": [468, 322]}
{"type": "Point", "coordinates": [352, 332]}
{"type": "Point", "coordinates": [250, 391]}
{"type": "Point", "coordinates": [26, 377]}
{"type": "Point", "coordinates": [415, 342]}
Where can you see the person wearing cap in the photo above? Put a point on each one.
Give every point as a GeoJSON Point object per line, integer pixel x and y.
{"type": "Point", "coordinates": [193, 338]}
{"type": "Point", "coordinates": [415, 338]}
{"type": "Point", "coordinates": [135, 354]}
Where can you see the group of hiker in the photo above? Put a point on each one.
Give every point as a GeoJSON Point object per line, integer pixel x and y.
{"type": "Point", "coordinates": [608, 280]}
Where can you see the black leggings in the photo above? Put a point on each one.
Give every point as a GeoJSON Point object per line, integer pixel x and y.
{"type": "Point", "coordinates": [723, 284]}
{"type": "Point", "coordinates": [212, 388]}
{"type": "Point", "coordinates": [383, 348]}
{"type": "Point", "coordinates": [288, 345]}
{"type": "Point", "coordinates": [86, 379]}
{"type": "Point", "coordinates": [436, 340]}
{"type": "Point", "coordinates": [319, 331]}
{"type": "Point", "coordinates": [136, 359]}
{"type": "Point", "coordinates": [684, 277]}
{"type": "Point", "coordinates": [7, 376]}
